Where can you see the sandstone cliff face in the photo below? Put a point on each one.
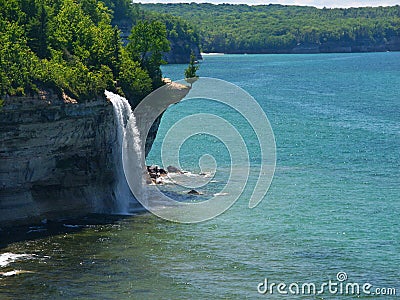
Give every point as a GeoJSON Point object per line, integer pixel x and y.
{"type": "Point", "coordinates": [59, 158]}
{"type": "Point", "coordinates": [180, 52]}
{"type": "Point", "coordinates": [56, 158]}
{"type": "Point", "coordinates": [390, 44]}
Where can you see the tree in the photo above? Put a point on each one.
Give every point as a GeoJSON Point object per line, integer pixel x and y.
{"type": "Point", "coordinates": [147, 42]}
{"type": "Point", "coordinates": [38, 30]}
{"type": "Point", "coordinates": [17, 62]}
{"type": "Point", "coordinates": [134, 81]}
{"type": "Point", "coordinates": [71, 47]}
{"type": "Point", "coordinates": [190, 72]}
{"type": "Point", "coordinates": [276, 28]}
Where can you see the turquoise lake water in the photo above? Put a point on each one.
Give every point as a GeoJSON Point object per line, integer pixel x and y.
{"type": "Point", "coordinates": [333, 206]}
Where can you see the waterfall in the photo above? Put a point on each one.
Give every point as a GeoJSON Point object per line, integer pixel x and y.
{"type": "Point", "coordinates": [131, 173]}
{"type": "Point", "coordinates": [128, 135]}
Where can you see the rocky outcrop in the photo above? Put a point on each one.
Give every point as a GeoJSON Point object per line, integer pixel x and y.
{"type": "Point", "coordinates": [180, 52]}
{"type": "Point", "coordinates": [363, 45]}
{"type": "Point", "coordinates": [152, 135]}
{"type": "Point", "coordinates": [56, 158]}
{"type": "Point", "coordinates": [393, 43]}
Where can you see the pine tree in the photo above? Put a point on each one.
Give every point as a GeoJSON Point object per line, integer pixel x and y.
{"type": "Point", "coordinates": [190, 72]}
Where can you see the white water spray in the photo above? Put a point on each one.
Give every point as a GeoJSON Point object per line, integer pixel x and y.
{"type": "Point", "coordinates": [128, 137]}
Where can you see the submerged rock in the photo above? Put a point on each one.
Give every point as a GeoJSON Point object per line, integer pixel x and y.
{"type": "Point", "coordinates": [172, 169]}
{"type": "Point", "coordinates": [194, 192]}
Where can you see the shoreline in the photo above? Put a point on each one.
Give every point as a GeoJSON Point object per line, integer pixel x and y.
{"type": "Point", "coordinates": [289, 52]}
{"type": "Point", "coordinates": [218, 54]}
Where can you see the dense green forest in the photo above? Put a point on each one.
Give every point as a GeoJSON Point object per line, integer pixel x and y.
{"type": "Point", "coordinates": [71, 47]}
{"type": "Point", "coordinates": [125, 14]}
{"type": "Point", "coordinates": [277, 28]}
{"type": "Point", "coordinates": [178, 30]}
{"type": "Point", "coordinates": [74, 47]}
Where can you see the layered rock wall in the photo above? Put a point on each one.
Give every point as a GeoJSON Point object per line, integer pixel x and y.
{"type": "Point", "coordinates": [55, 158]}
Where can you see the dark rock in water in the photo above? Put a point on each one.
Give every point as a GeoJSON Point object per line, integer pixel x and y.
{"type": "Point", "coordinates": [152, 168]}
{"type": "Point", "coordinates": [156, 172]}
{"type": "Point", "coordinates": [172, 169]}
{"type": "Point", "coordinates": [152, 135]}
{"type": "Point", "coordinates": [153, 171]}
{"type": "Point", "coordinates": [194, 192]}
{"type": "Point", "coordinates": [162, 172]}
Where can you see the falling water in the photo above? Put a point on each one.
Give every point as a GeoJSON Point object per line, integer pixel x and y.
{"type": "Point", "coordinates": [131, 173]}
{"type": "Point", "coordinates": [128, 136]}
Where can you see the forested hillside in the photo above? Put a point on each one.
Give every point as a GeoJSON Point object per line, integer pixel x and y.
{"type": "Point", "coordinates": [181, 34]}
{"type": "Point", "coordinates": [280, 29]}
{"type": "Point", "coordinates": [75, 49]}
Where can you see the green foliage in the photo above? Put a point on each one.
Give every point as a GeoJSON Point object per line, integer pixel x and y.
{"type": "Point", "coordinates": [75, 80]}
{"type": "Point", "coordinates": [181, 34]}
{"type": "Point", "coordinates": [147, 42]}
{"type": "Point", "coordinates": [276, 28]}
{"type": "Point", "coordinates": [71, 47]}
{"type": "Point", "coordinates": [17, 62]}
{"type": "Point", "coordinates": [178, 29]}
{"type": "Point", "coordinates": [134, 81]}
{"type": "Point", "coordinates": [38, 28]}
{"type": "Point", "coordinates": [191, 70]}
{"type": "Point", "coordinates": [123, 10]}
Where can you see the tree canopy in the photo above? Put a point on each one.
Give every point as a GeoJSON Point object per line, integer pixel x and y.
{"type": "Point", "coordinates": [272, 28]}
{"type": "Point", "coordinates": [72, 47]}
{"type": "Point", "coordinates": [147, 42]}
{"type": "Point", "coordinates": [193, 67]}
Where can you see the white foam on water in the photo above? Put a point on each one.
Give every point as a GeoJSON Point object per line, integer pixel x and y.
{"type": "Point", "coordinates": [8, 258]}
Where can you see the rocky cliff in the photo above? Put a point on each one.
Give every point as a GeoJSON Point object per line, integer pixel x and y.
{"type": "Point", "coordinates": [56, 158]}
{"type": "Point", "coordinates": [389, 44]}
{"type": "Point", "coordinates": [180, 52]}
{"type": "Point", "coordinates": [363, 45]}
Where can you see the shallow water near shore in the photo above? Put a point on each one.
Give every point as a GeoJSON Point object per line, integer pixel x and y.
{"type": "Point", "coordinates": [333, 205]}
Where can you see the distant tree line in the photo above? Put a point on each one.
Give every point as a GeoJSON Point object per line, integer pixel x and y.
{"type": "Point", "coordinates": [273, 28]}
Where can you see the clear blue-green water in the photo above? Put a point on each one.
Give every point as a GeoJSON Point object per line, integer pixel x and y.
{"type": "Point", "coordinates": [333, 206]}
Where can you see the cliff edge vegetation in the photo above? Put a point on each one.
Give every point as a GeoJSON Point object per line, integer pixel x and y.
{"type": "Point", "coordinates": [72, 48]}
{"type": "Point", "coordinates": [59, 148]}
